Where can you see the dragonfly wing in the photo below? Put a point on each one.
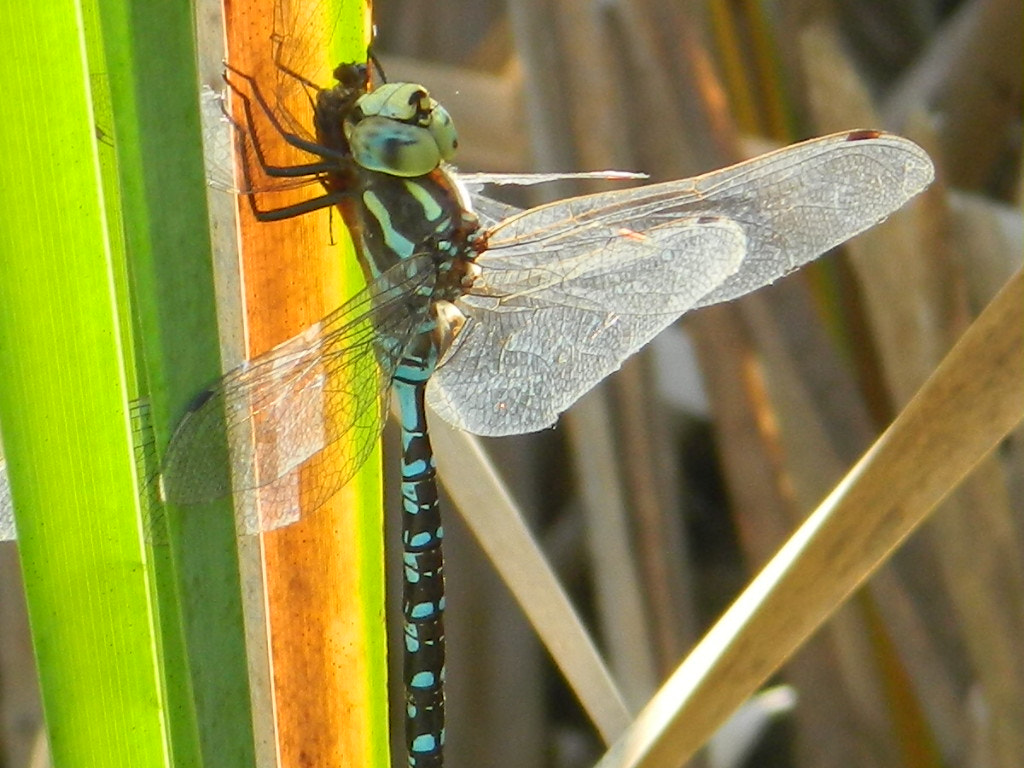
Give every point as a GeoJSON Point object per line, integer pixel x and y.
{"type": "Point", "coordinates": [800, 201]}
{"type": "Point", "coordinates": [492, 212]}
{"type": "Point", "coordinates": [788, 207]}
{"type": "Point", "coordinates": [476, 180]}
{"type": "Point", "coordinates": [7, 532]}
{"type": "Point", "coordinates": [794, 204]}
{"type": "Point", "coordinates": [544, 328]}
{"type": "Point", "coordinates": [287, 411]}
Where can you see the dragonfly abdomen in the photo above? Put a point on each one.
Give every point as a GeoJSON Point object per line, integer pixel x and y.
{"type": "Point", "coordinates": [423, 566]}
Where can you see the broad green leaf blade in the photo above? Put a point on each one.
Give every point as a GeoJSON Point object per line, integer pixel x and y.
{"type": "Point", "coordinates": [151, 61]}
{"type": "Point", "coordinates": [64, 402]}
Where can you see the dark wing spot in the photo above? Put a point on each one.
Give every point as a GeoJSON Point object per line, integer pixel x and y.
{"type": "Point", "coordinates": [199, 401]}
{"type": "Point", "coordinates": [861, 135]}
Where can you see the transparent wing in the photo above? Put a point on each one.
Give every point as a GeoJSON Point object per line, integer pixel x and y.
{"type": "Point", "coordinates": [7, 532]}
{"type": "Point", "coordinates": [286, 411]}
{"type": "Point", "coordinates": [548, 325]}
{"type": "Point", "coordinates": [476, 180]}
{"type": "Point", "coordinates": [570, 289]}
{"type": "Point", "coordinates": [304, 35]}
{"type": "Point", "coordinates": [491, 212]}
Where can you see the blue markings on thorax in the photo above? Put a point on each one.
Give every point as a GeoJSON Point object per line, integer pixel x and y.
{"type": "Point", "coordinates": [432, 210]}
{"type": "Point", "coordinates": [401, 217]}
{"type": "Point", "coordinates": [400, 245]}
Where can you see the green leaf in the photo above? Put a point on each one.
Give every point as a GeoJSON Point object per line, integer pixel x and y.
{"type": "Point", "coordinates": [65, 391]}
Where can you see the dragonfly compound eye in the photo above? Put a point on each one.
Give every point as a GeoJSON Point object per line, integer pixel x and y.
{"type": "Point", "coordinates": [442, 129]}
{"type": "Point", "coordinates": [389, 146]}
{"type": "Point", "coordinates": [405, 102]}
{"type": "Point", "coordinates": [398, 129]}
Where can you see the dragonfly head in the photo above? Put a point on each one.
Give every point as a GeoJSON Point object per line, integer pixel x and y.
{"type": "Point", "coordinates": [400, 130]}
{"type": "Point", "coordinates": [353, 76]}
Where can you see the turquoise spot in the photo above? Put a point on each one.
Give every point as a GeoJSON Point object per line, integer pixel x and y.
{"type": "Point", "coordinates": [424, 743]}
{"type": "Point", "coordinates": [441, 603]}
{"type": "Point", "coordinates": [423, 680]}
{"type": "Point", "coordinates": [423, 610]}
{"type": "Point", "coordinates": [421, 539]}
{"type": "Point", "coordinates": [411, 643]}
{"type": "Point", "coordinates": [414, 468]}
{"type": "Point", "coordinates": [412, 575]}
{"type": "Point", "coordinates": [407, 409]}
{"type": "Point", "coordinates": [411, 710]}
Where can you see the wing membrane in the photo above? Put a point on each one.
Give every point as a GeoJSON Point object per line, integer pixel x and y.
{"type": "Point", "coordinates": [541, 331]}
{"type": "Point", "coordinates": [7, 532]}
{"type": "Point", "coordinates": [287, 410]}
{"type": "Point", "coordinates": [559, 277]}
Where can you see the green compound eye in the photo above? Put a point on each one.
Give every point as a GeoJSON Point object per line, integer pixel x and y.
{"type": "Point", "coordinates": [398, 129]}
{"type": "Point", "coordinates": [405, 102]}
{"type": "Point", "coordinates": [442, 128]}
{"type": "Point", "coordinates": [386, 145]}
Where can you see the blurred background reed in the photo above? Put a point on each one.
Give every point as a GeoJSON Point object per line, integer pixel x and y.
{"type": "Point", "coordinates": [728, 430]}
{"type": "Point", "coordinates": [725, 433]}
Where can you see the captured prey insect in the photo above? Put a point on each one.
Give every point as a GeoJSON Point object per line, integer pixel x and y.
{"type": "Point", "coordinates": [497, 318]}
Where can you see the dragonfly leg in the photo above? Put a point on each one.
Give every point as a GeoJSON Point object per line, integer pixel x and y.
{"type": "Point", "coordinates": [298, 209]}
{"type": "Point", "coordinates": [308, 86]}
{"type": "Point", "coordinates": [312, 172]}
{"type": "Point", "coordinates": [276, 171]}
{"type": "Point", "coordinates": [290, 137]}
{"type": "Point", "coordinates": [287, 211]}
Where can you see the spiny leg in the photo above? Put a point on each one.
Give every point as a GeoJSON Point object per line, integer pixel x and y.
{"type": "Point", "coordinates": [308, 86]}
{"type": "Point", "coordinates": [314, 171]}
{"type": "Point", "coordinates": [289, 137]}
{"type": "Point", "coordinates": [298, 209]}
{"type": "Point", "coordinates": [276, 171]}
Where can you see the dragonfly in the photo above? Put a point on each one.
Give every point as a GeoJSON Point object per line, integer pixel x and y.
{"type": "Point", "coordinates": [497, 318]}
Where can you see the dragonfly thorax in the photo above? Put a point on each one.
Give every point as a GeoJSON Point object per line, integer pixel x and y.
{"type": "Point", "coordinates": [399, 218]}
